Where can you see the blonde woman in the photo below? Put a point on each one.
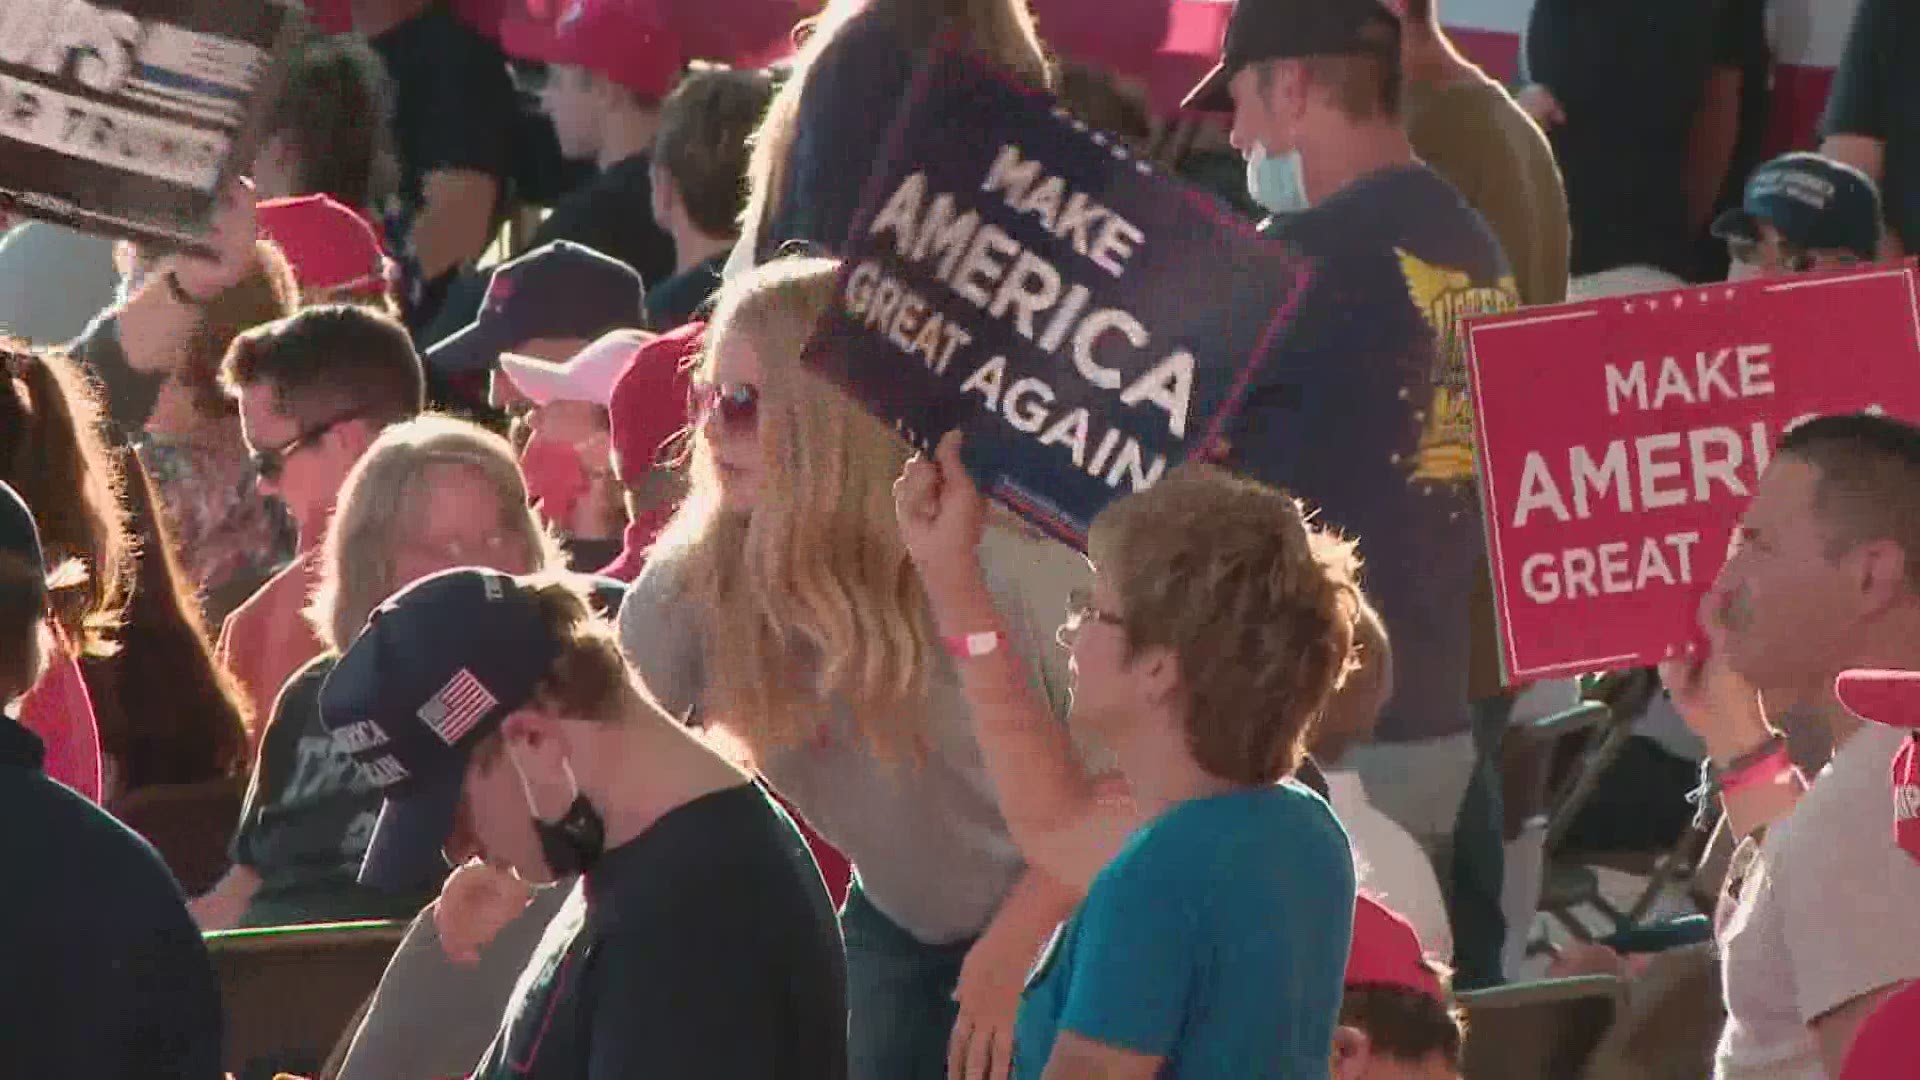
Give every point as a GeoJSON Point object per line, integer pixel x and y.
{"type": "Point", "coordinates": [430, 493]}
{"type": "Point", "coordinates": [811, 153]}
{"type": "Point", "coordinates": [780, 610]}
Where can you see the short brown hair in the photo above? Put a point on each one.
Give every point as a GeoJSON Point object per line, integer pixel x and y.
{"type": "Point", "coordinates": [336, 109]}
{"type": "Point", "coordinates": [702, 141]}
{"type": "Point", "coordinates": [1363, 85]}
{"type": "Point", "coordinates": [331, 358]}
{"type": "Point", "coordinates": [1258, 606]}
{"type": "Point", "coordinates": [1869, 486]}
{"type": "Point", "coordinates": [1405, 1024]}
{"type": "Point", "coordinates": [588, 679]}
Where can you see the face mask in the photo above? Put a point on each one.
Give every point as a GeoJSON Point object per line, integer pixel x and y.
{"type": "Point", "coordinates": [556, 478]}
{"type": "Point", "coordinates": [1276, 183]}
{"type": "Point", "coordinates": [574, 843]}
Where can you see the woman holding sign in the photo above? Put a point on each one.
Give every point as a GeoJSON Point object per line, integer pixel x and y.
{"type": "Point", "coordinates": [1214, 935]}
{"type": "Point", "coordinates": [780, 609]}
{"type": "Point", "coordinates": [812, 153]}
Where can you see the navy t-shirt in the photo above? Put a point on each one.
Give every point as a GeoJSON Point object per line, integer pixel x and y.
{"type": "Point", "coordinates": [1366, 414]}
{"type": "Point", "coordinates": [704, 947]}
{"type": "Point", "coordinates": [103, 975]}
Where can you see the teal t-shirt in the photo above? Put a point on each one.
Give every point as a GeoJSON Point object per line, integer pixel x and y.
{"type": "Point", "coordinates": [1217, 940]}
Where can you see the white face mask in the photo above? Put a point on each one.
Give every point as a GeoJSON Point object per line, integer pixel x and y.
{"type": "Point", "coordinates": [1277, 183]}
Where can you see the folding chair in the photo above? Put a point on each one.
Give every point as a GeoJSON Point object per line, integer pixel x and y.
{"type": "Point", "coordinates": [293, 989]}
{"type": "Point", "coordinates": [1542, 1030]}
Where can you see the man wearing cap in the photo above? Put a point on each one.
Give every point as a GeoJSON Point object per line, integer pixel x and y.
{"type": "Point", "coordinates": [1816, 926]}
{"type": "Point", "coordinates": [1802, 212]}
{"type": "Point", "coordinates": [547, 304]}
{"type": "Point", "coordinates": [1368, 417]}
{"type": "Point", "coordinates": [500, 720]}
{"type": "Point", "coordinates": [1396, 1022]}
{"type": "Point", "coordinates": [610, 65]}
{"type": "Point", "coordinates": [567, 457]}
{"type": "Point", "coordinates": [105, 976]}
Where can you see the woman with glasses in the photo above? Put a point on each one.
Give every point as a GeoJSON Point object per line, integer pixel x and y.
{"type": "Point", "coordinates": [428, 494]}
{"type": "Point", "coordinates": [1213, 939]}
{"type": "Point", "coordinates": [779, 611]}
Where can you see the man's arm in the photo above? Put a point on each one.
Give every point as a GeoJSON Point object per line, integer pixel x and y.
{"type": "Point", "coordinates": [1835, 1030]}
{"type": "Point", "coordinates": [1860, 105]}
{"type": "Point", "coordinates": [453, 223]}
{"type": "Point", "coordinates": [1716, 128]}
{"type": "Point", "coordinates": [1076, 1058]}
{"type": "Point", "coordinates": [221, 907]}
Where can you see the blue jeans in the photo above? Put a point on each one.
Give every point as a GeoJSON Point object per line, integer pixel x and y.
{"type": "Point", "coordinates": [899, 996]}
{"type": "Point", "coordinates": [1479, 857]}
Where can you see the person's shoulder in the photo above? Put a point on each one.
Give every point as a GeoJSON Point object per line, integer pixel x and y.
{"type": "Point", "coordinates": [102, 863]}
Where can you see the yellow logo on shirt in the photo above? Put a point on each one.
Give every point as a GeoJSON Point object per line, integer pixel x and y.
{"type": "Point", "coordinates": [1443, 297]}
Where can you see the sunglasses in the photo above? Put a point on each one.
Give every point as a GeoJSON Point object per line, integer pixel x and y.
{"type": "Point", "coordinates": [737, 403]}
{"type": "Point", "coordinates": [270, 462]}
{"type": "Point", "coordinates": [1081, 610]}
{"type": "Point", "coordinates": [1792, 259]}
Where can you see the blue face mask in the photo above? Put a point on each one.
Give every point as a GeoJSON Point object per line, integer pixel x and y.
{"type": "Point", "coordinates": [1275, 182]}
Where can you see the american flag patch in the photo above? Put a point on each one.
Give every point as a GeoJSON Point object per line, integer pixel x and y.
{"type": "Point", "coordinates": [458, 706]}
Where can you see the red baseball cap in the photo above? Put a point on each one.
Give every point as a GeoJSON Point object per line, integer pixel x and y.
{"type": "Point", "coordinates": [1892, 698]}
{"type": "Point", "coordinates": [648, 406]}
{"type": "Point", "coordinates": [1386, 951]}
{"type": "Point", "coordinates": [330, 247]}
{"type": "Point", "coordinates": [628, 41]}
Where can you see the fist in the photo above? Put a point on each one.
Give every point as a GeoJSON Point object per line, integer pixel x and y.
{"type": "Point", "coordinates": [476, 903]}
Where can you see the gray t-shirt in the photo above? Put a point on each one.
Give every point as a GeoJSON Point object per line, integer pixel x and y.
{"type": "Point", "coordinates": [928, 843]}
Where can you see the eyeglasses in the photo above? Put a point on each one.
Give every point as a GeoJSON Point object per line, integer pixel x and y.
{"type": "Point", "coordinates": [1792, 259]}
{"type": "Point", "coordinates": [1081, 610]}
{"type": "Point", "coordinates": [270, 462]}
{"type": "Point", "coordinates": [737, 403]}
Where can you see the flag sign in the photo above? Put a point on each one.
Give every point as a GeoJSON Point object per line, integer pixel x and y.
{"type": "Point", "coordinates": [1087, 321]}
{"type": "Point", "coordinates": [126, 116]}
{"type": "Point", "coordinates": [1620, 440]}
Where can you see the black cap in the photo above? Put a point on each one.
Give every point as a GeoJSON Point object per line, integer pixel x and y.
{"type": "Point", "coordinates": [436, 670]}
{"type": "Point", "coordinates": [1817, 203]}
{"type": "Point", "coordinates": [19, 536]}
{"type": "Point", "coordinates": [1290, 29]}
{"type": "Point", "coordinates": [560, 290]}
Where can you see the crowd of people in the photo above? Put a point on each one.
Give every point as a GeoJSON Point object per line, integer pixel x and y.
{"type": "Point", "coordinates": [696, 726]}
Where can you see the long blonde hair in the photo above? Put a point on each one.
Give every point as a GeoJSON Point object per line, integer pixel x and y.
{"type": "Point", "coordinates": [811, 597]}
{"type": "Point", "coordinates": [383, 497]}
{"type": "Point", "coordinates": [1001, 30]}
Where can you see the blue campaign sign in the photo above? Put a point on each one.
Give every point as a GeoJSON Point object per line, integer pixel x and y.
{"type": "Point", "coordinates": [1087, 321]}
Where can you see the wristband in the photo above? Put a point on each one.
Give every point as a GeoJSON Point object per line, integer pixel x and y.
{"type": "Point", "coordinates": [970, 646]}
{"type": "Point", "coordinates": [1757, 772]}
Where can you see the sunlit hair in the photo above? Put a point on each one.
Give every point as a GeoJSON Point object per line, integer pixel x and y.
{"type": "Point", "coordinates": [53, 450]}
{"type": "Point", "coordinates": [385, 496]}
{"type": "Point", "coordinates": [1257, 605]}
{"type": "Point", "coordinates": [1001, 30]}
{"type": "Point", "coordinates": [818, 570]}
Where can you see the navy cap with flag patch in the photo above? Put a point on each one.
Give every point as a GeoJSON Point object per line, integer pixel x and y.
{"type": "Point", "coordinates": [436, 670]}
{"type": "Point", "coordinates": [560, 290]}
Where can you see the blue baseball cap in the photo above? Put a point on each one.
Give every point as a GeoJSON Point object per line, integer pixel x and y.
{"type": "Point", "coordinates": [1817, 203]}
{"type": "Point", "coordinates": [439, 666]}
{"type": "Point", "coordinates": [560, 290]}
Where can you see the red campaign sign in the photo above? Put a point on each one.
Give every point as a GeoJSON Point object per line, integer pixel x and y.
{"type": "Point", "coordinates": [1620, 439]}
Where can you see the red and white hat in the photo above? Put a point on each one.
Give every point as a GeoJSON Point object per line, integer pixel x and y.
{"type": "Point", "coordinates": [1892, 698]}
{"type": "Point", "coordinates": [331, 248]}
